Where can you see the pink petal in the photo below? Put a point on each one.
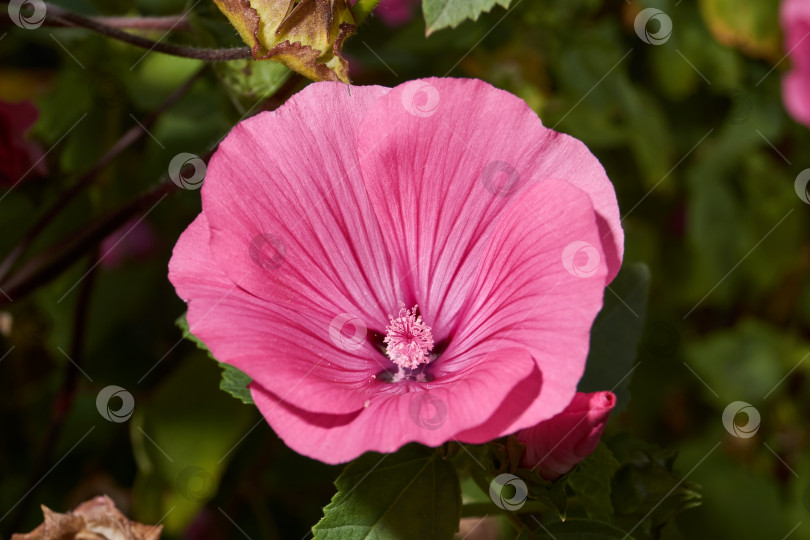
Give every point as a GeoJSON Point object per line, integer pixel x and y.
{"type": "Point", "coordinates": [290, 219]}
{"type": "Point", "coordinates": [540, 286]}
{"type": "Point", "coordinates": [430, 414]}
{"type": "Point", "coordinates": [555, 446]}
{"type": "Point", "coordinates": [301, 363]}
{"type": "Point", "coordinates": [796, 95]}
{"type": "Point", "coordinates": [795, 20]}
{"type": "Point", "coordinates": [292, 228]}
{"type": "Point", "coordinates": [795, 17]}
{"type": "Point", "coordinates": [434, 153]}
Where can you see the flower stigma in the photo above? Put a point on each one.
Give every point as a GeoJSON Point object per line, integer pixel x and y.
{"type": "Point", "coordinates": [409, 341]}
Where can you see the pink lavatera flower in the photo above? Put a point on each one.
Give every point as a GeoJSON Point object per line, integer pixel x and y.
{"type": "Point", "coordinates": [421, 263]}
{"type": "Point", "coordinates": [795, 17]}
{"type": "Point", "coordinates": [556, 445]}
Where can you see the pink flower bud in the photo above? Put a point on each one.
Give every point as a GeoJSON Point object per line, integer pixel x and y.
{"type": "Point", "coordinates": [556, 445]}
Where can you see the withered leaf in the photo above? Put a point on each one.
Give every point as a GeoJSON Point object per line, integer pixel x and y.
{"type": "Point", "coordinates": [96, 519]}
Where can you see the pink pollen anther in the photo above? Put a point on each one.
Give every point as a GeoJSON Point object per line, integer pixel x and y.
{"type": "Point", "coordinates": [409, 340]}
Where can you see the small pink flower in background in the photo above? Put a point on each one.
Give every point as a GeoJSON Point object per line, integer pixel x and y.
{"type": "Point", "coordinates": [397, 12]}
{"type": "Point", "coordinates": [134, 241]}
{"type": "Point", "coordinates": [556, 445]}
{"type": "Point", "coordinates": [795, 16]}
{"type": "Point", "coordinates": [19, 157]}
{"type": "Point", "coordinates": [422, 263]}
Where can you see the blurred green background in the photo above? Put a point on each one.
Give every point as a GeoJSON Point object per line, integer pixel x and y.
{"type": "Point", "coordinates": [692, 132]}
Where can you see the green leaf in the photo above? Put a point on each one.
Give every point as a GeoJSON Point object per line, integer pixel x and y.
{"type": "Point", "coordinates": [449, 13]}
{"type": "Point", "coordinates": [249, 83]}
{"type": "Point", "coordinates": [413, 493]}
{"type": "Point", "coordinates": [583, 529]}
{"type": "Point", "coordinates": [182, 324]}
{"type": "Point", "coordinates": [646, 488]}
{"type": "Point", "coordinates": [616, 333]}
{"type": "Point", "coordinates": [552, 495]}
{"type": "Point", "coordinates": [591, 482]}
{"type": "Point", "coordinates": [234, 381]}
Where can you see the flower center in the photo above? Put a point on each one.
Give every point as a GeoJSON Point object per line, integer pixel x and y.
{"type": "Point", "coordinates": [409, 340]}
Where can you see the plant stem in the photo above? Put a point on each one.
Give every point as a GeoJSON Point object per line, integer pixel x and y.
{"type": "Point", "coordinates": [170, 22]}
{"type": "Point", "coordinates": [58, 15]}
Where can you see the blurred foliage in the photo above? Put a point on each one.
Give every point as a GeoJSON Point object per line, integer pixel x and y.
{"type": "Point", "coordinates": [694, 136]}
{"type": "Point", "coordinates": [615, 335]}
{"type": "Point", "coordinates": [749, 24]}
